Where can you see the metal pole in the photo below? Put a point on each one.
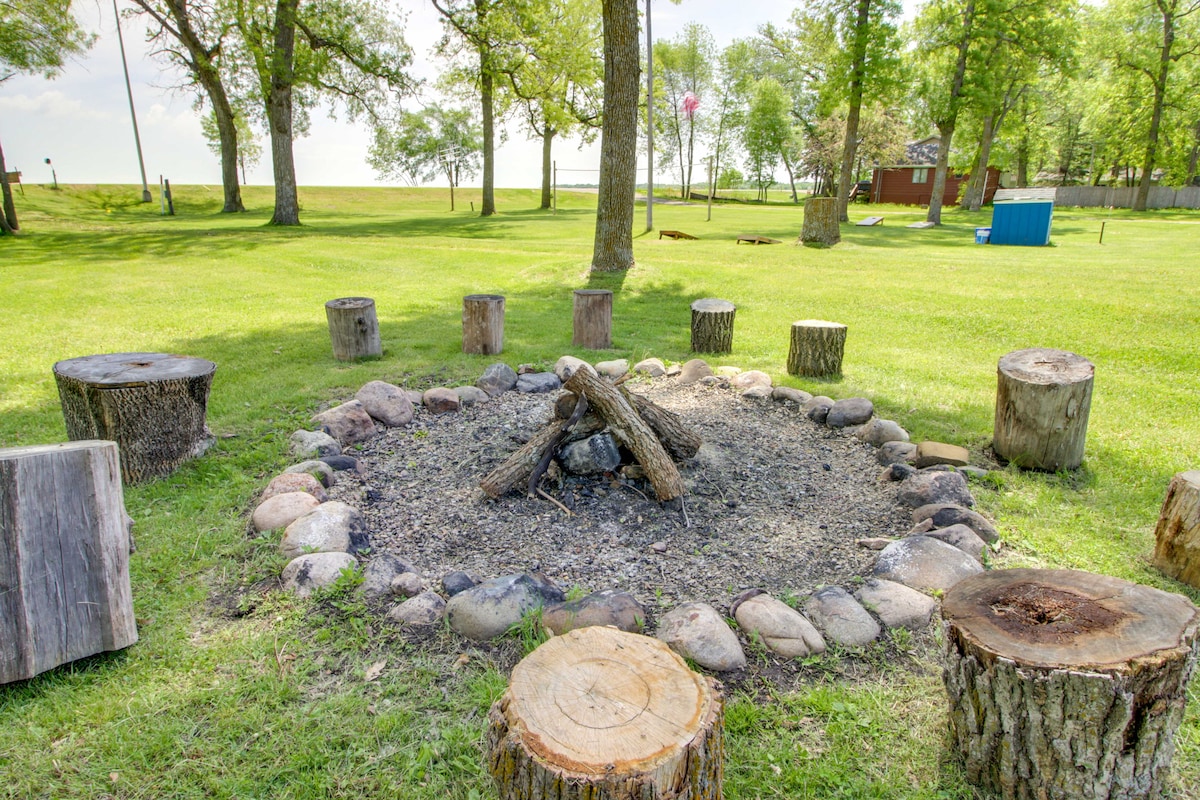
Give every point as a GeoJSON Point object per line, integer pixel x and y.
{"type": "Point", "coordinates": [649, 124]}
{"type": "Point", "coordinates": [146, 196]}
{"type": "Point", "coordinates": [710, 188]}
{"type": "Point", "coordinates": [554, 173]}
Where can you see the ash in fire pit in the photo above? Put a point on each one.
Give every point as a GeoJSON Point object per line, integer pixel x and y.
{"type": "Point", "coordinates": [772, 500]}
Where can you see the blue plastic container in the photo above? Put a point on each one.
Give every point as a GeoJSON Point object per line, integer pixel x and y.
{"type": "Point", "coordinates": [982, 235]}
{"type": "Point", "coordinates": [1022, 222]}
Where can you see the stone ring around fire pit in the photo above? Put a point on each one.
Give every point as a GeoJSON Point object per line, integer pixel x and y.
{"type": "Point", "coordinates": [785, 494]}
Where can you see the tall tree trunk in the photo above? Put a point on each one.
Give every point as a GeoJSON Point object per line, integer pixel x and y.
{"type": "Point", "coordinates": [8, 219]}
{"type": "Point", "coordinates": [279, 115]}
{"type": "Point", "coordinates": [949, 121]}
{"type": "Point", "coordinates": [548, 134]}
{"type": "Point", "coordinates": [1194, 158]}
{"type": "Point", "coordinates": [486, 91]}
{"type": "Point", "coordinates": [613, 249]}
{"type": "Point", "coordinates": [1160, 93]}
{"type": "Point", "coordinates": [857, 72]}
{"type": "Point", "coordinates": [946, 132]}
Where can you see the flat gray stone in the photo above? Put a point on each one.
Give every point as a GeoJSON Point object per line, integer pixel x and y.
{"type": "Point", "coordinates": [539, 382]}
{"type": "Point", "coordinates": [386, 402]}
{"type": "Point", "coordinates": [841, 617]}
{"type": "Point", "coordinates": [782, 628]}
{"type": "Point", "coordinates": [457, 581]}
{"type": "Point", "coordinates": [565, 367]}
{"type": "Point", "coordinates": [608, 607]}
{"type": "Point", "coordinates": [307, 573]}
{"type": "Point", "coordinates": [332, 527]}
{"type": "Point", "coordinates": [849, 411]}
{"type": "Point", "coordinates": [427, 608]}
{"type": "Point", "coordinates": [591, 456]}
{"type": "Point", "coordinates": [613, 369]}
{"type": "Point", "coordinates": [757, 392]}
{"type": "Point", "coordinates": [488, 609]}
{"type": "Point", "coordinates": [314, 444]}
{"type": "Point", "coordinates": [972, 472]}
{"type": "Point", "coordinates": [926, 488]}
{"type": "Point", "coordinates": [694, 370]}
{"type": "Point", "coordinates": [416, 398]}
{"type": "Point", "coordinates": [922, 563]}
{"type": "Point", "coordinates": [786, 394]}
{"type": "Point", "coordinates": [318, 469]}
{"type": "Point", "coordinates": [379, 573]}
{"type": "Point", "coordinates": [896, 605]}
{"type": "Point", "coordinates": [440, 400]}
{"type": "Point", "coordinates": [753, 377]}
{"type": "Point", "coordinates": [654, 367]}
{"type": "Point", "coordinates": [698, 632]}
{"type": "Point", "coordinates": [895, 453]}
{"type": "Point", "coordinates": [408, 584]}
{"type": "Point", "coordinates": [349, 423]}
{"type": "Point", "coordinates": [282, 510]}
{"type": "Point", "coordinates": [470, 395]}
{"type": "Point", "coordinates": [497, 379]}
{"type": "Point", "coordinates": [944, 515]}
{"type": "Point", "coordinates": [879, 432]}
{"type": "Point", "coordinates": [961, 537]}
{"type": "Point", "coordinates": [817, 408]}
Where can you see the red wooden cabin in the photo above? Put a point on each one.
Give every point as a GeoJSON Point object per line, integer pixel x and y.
{"type": "Point", "coordinates": [911, 183]}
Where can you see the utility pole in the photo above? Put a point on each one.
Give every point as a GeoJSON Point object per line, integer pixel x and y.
{"type": "Point", "coordinates": [137, 140]}
{"type": "Point", "coordinates": [649, 124]}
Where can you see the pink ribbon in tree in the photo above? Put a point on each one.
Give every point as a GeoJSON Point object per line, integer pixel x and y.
{"type": "Point", "coordinates": [690, 104]}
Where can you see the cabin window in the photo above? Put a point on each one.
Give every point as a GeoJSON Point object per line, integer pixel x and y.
{"type": "Point", "coordinates": [921, 175]}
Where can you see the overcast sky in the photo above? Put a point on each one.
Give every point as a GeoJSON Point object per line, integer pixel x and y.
{"type": "Point", "coordinates": [81, 119]}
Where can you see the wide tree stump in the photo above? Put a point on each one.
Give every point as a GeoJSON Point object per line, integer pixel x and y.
{"type": "Point", "coordinates": [816, 348]}
{"type": "Point", "coordinates": [593, 319]}
{"type": "Point", "coordinates": [599, 714]}
{"type": "Point", "coordinates": [712, 326]}
{"type": "Point", "coordinates": [1043, 398]}
{"type": "Point", "coordinates": [483, 324]}
{"type": "Point", "coordinates": [821, 225]}
{"type": "Point", "coordinates": [1066, 684]}
{"type": "Point", "coordinates": [153, 405]}
{"type": "Point", "coordinates": [64, 557]}
{"type": "Point", "coordinates": [353, 328]}
{"type": "Point", "coordinates": [1177, 537]}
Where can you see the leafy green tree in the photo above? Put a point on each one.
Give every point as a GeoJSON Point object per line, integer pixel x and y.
{"type": "Point", "coordinates": [249, 151]}
{"type": "Point", "coordinates": [420, 146]}
{"type": "Point", "coordinates": [613, 246]}
{"type": "Point", "coordinates": [36, 37]}
{"type": "Point", "coordinates": [685, 79]}
{"type": "Point", "coordinates": [769, 136]}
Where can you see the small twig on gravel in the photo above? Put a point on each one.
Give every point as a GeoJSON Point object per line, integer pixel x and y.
{"type": "Point", "coordinates": [687, 523]}
{"type": "Point", "coordinates": [545, 496]}
{"type": "Point", "coordinates": [633, 488]}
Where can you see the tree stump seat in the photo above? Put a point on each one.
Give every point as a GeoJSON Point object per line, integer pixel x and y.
{"type": "Point", "coordinates": [712, 325]}
{"type": "Point", "coordinates": [600, 714]}
{"type": "Point", "coordinates": [592, 319]}
{"type": "Point", "coordinates": [483, 324]}
{"type": "Point", "coordinates": [1177, 535]}
{"type": "Point", "coordinates": [153, 405]}
{"type": "Point", "coordinates": [353, 328]}
{"type": "Point", "coordinates": [821, 226]}
{"type": "Point", "coordinates": [1043, 398]}
{"type": "Point", "coordinates": [1066, 684]}
{"type": "Point", "coordinates": [816, 348]}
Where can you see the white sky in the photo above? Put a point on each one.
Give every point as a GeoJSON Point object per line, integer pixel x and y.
{"type": "Point", "coordinates": [81, 119]}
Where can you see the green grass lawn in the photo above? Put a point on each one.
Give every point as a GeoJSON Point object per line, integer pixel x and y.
{"type": "Point", "coordinates": [267, 698]}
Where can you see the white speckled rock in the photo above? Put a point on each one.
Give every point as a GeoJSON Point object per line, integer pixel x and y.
{"type": "Point", "coordinates": [923, 563]}
{"type": "Point", "coordinates": [329, 528]}
{"type": "Point", "coordinates": [843, 618]}
{"type": "Point", "coordinates": [426, 608]}
{"type": "Point", "coordinates": [385, 402]}
{"type": "Point", "coordinates": [880, 431]}
{"type": "Point", "coordinates": [697, 631]}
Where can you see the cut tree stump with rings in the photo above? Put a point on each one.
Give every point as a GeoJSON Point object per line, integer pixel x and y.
{"type": "Point", "coordinates": [816, 348]}
{"type": "Point", "coordinates": [1043, 398]}
{"type": "Point", "coordinates": [712, 326]}
{"type": "Point", "coordinates": [353, 328]}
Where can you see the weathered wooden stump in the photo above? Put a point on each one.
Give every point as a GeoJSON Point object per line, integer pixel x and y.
{"type": "Point", "coordinates": [64, 557]}
{"type": "Point", "coordinates": [593, 319]}
{"type": "Point", "coordinates": [1066, 684]}
{"type": "Point", "coordinates": [1043, 398]}
{"type": "Point", "coordinates": [483, 324]}
{"type": "Point", "coordinates": [1177, 537]}
{"type": "Point", "coordinates": [606, 715]}
{"type": "Point", "coordinates": [153, 405]}
{"type": "Point", "coordinates": [821, 222]}
{"type": "Point", "coordinates": [353, 328]}
{"type": "Point", "coordinates": [816, 349]}
{"type": "Point", "coordinates": [712, 326]}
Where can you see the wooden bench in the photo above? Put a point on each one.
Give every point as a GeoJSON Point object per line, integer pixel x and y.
{"type": "Point", "coordinates": [15, 177]}
{"type": "Point", "coordinates": [757, 240]}
{"type": "Point", "coordinates": [676, 235]}
{"type": "Point", "coordinates": [870, 221]}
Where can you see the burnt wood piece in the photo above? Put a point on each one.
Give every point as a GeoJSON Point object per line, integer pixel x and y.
{"type": "Point", "coordinates": [592, 318]}
{"type": "Point", "coordinates": [821, 222]}
{"type": "Point", "coordinates": [600, 714]}
{"type": "Point", "coordinates": [517, 468]}
{"type": "Point", "coordinates": [1066, 684]}
{"type": "Point", "coordinates": [1043, 398]}
{"type": "Point", "coordinates": [816, 348]}
{"type": "Point", "coordinates": [631, 431]}
{"type": "Point", "coordinates": [153, 405]}
{"type": "Point", "coordinates": [483, 324]}
{"type": "Point", "coordinates": [64, 557]}
{"type": "Point", "coordinates": [712, 325]}
{"type": "Point", "coordinates": [1177, 536]}
{"type": "Point", "coordinates": [353, 328]}
{"type": "Point", "coordinates": [679, 440]}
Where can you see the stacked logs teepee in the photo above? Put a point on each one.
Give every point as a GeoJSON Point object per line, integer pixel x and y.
{"type": "Point", "coordinates": [656, 437]}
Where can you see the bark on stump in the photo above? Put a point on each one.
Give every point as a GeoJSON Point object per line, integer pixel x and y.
{"type": "Point", "coordinates": [606, 715]}
{"type": "Point", "coordinates": [64, 557]}
{"type": "Point", "coordinates": [821, 222]}
{"type": "Point", "coordinates": [153, 405]}
{"type": "Point", "coordinates": [593, 319]}
{"type": "Point", "coordinates": [1066, 684]}
{"type": "Point", "coordinates": [483, 324]}
{"type": "Point", "coordinates": [816, 349]}
{"type": "Point", "coordinates": [1043, 398]}
{"type": "Point", "coordinates": [353, 328]}
{"type": "Point", "coordinates": [1177, 537]}
{"type": "Point", "coordinates": [712, 326]}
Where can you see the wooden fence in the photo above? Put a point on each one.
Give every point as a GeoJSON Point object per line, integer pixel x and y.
{"type": "Point", "coordinates": [1123, 196]}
